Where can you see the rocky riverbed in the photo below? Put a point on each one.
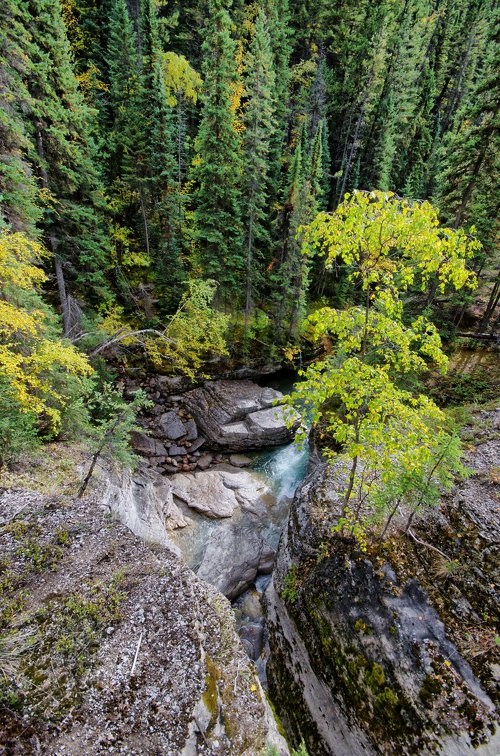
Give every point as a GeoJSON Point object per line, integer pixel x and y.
{"type": "Point", "coordinates": [199, 428]}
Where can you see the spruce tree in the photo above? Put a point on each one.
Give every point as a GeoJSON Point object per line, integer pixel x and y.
{"type": "Point", "coordinates": [156, 165]}
{"type": "Point", "coordinates": [18, 201]}
{"type": "Point", "coordinates": [73, 223]}
{"type": "Point", "coordinates": [218, 167]}
{"type": "Point", "coordinates": [259, 129]}
{"type": "Point", "coordinates": [471, 151]}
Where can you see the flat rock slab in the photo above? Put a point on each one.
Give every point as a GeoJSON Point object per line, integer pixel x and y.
{"type": "Point", "coordinates": [146, 445]}
{"type": "Point", "coordinates": [240, 460]}
{"type": "Point", "coordinates": [217, 493]}
{"type": "Point", "coordinates": [239, 415]}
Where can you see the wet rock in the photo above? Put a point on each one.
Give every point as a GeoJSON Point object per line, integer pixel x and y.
{"type": "Point", "coordinates": [172, 425]}
{"type": "Point", "coordinates": [253, 634]}
{"type": "Point", "coordinates": [232, 558]}
{"type": "Point", "coordinates": [240, 460]}
{"type": "Point", "coordinates": [238, 415]}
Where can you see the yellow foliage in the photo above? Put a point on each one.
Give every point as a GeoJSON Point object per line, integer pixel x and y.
{"type": "Point", "coordinates": [180, 79]}
{"type": "Point", "coordinates": [238, 92]}
{"type": "Point", "coordinates": [30, 357]}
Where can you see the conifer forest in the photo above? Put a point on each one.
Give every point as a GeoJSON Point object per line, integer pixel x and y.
{"type": "Point", "coordinates": [206, 191]}
{"type": "Point", "coordinates": [148, 145]}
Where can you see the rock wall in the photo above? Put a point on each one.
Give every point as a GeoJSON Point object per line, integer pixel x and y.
{"type": "Point", "coordinates": [390, 651]}
{"type": "Point", "coordinates": [116, 647]}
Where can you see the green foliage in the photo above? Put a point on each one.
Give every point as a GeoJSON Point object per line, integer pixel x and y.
{"type": "Point", "coordinates": [112, 420]}
{"type": "Point", "coordinates": [259, 129]}
{"type": "Point", "coordinates": [18, 432]}
{"type": "Point", "coordinates": [291, 587]}
{"type": "Point", "coordinates": [393, 446]}
{"type": "Point", "coordinates": [301, 751]}
{"type": "Point", "coordinates": [41, 376]}
{"type": "Point", "coordinates": [217, 167]}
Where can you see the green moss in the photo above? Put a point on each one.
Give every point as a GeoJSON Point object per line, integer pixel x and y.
{"type": "Point", "coordinates": [375, 678]}
{"type": "Point", "coordinates": [431, 687]}
{"type": "Point", "coordinates": [387, 697]}
{"type": "Point", "coordinates": [210, 696]}
{"type": "Point", "coordinates": [279, 724]}
{"type": "Point", "coordinates": [362, 627]}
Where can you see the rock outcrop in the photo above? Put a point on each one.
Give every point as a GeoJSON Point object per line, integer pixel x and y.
{"type": "Point", "coordinates": [393, 651]}
{"type": "Point", "coordinates": [233, 558]}
{"type": "Point", "coordinates": [153, 507]}
{"type": "Point", "coordinates": [217, 493]}
{"type": "Point", "coordinates": [239, 415]}
{"type": "Point", "coordinates": [124, 649]}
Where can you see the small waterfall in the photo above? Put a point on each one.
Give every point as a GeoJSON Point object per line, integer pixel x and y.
{"type": "Point", "coordinates": [284, 467]}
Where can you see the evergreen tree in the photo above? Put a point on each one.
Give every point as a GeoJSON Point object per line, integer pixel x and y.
{"type": "Point", "coordinates": [218, 167]}
{"type": "Point", "coordinates": [256, 143]}
{"type": "Point", "coordinates": [156, 166]}
{"type": "Point", "coordinates": [18, 201]}
{"type": "Point", "coordinates": [472, 149]}
{"type": "Point", "coordinates": [73, 223]}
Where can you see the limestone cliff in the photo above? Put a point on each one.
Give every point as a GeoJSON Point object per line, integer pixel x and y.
{"type": "Point", "coordinates": [111, 646]}
{"type": "Point", "coordinates": [391, 651]}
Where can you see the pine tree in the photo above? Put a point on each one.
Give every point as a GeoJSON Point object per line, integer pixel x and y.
{"type": "Point", "coordinates": [73, 223]}
{"type": "Point", "coordinates": [259, 116]}
{"type": "Point", "coordinates": [218, 168]}
{"type": "Point", "coordinates": [18, 201]}
{"type": "Point", "coordinates": [156, 165]}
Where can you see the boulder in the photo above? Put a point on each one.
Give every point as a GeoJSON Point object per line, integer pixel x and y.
{"type": "Point", "coordinates": [172, 425]}
{"type": "Point", "coordinates": [217, 493]}
{"type": "Point", "coordinates": [233, 557]}
{"type": "Point", "coordinates": [146, 445]}
{"type": "Point", "coordinates": [253, 634]}
{"type": "Point", "coordinates": [239, 415]}
{"type": "Point", "coordinates": [240, 460]}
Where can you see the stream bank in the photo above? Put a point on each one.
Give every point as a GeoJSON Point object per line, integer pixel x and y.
{"type": "Point", "coordinates": [388, 651]}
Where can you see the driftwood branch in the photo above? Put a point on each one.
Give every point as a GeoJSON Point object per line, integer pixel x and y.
{"type": "Point", "coordinates": [481, 336]}
{"type": "Point", "coordinates": [130, 334]}
{"type": "Point", "coordinates": [136, 654]}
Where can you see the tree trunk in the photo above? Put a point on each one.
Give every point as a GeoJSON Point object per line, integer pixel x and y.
{"type": "Point", "coordinates": [61, 284]}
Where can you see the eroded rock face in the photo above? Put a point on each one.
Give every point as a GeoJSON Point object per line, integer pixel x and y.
{"type": "Point", "coordinates": [217, 493]}
{"type": "Point", "coordinates": [233, 558]}
{"type": "Point", "coordinates": [134, 653]}
{"type": "Point", "coordinates": [145, 504]}
{"type": "Point", "coordinates": [238, 415]}
{"type": "Point", "coordinates": [375, 653]}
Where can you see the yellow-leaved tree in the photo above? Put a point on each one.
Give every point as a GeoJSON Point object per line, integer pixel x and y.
{"type": "Point", "coordinates": [392, 446]}
{"type": "Point", "coordinates": [39, 373]}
